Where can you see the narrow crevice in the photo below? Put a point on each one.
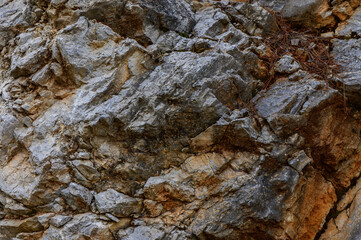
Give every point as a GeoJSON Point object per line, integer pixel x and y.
{"type": "Point", "coordinates": [334, 212]}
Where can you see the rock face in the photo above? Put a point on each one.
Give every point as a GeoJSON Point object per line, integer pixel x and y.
{"type": "Point", "coordinates": [347, 52]}
{"type": "Point", "coordinates": [119, 204]}
{"type": "Point", "coordinates": [171, 119]}
{"type": "Point", "coordinates": [346, 225]}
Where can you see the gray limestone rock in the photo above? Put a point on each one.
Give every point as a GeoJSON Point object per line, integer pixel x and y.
{"type": "Point", "coordinates": [141, 233]}
{"type": "Point", "coordinates": [58, 2]}
{"type": "Point", "coordinates": [169, 186]}
{"type": "Point", "coordinates": [42, 77]}
{"type": "Point", "coordinates": [299, 161]}
{"type": "Point", "coordinates": [347, 54]}
{"type": "Point", "coordinates": [212, 89]}
{"type": "Point", "coordinates": [15, 14]}
{"type": "Point", "coordinates": [81, 226]}
{"type": "Point", "coordinates": [98, 101]}
{"type": "Point", "coordinates": [12, 207]}
{"type": "Point", "coordinates": [20, 186]}
{"type": "Point", "coordinates": [116, 203]}
{"type": "Point", "coordinates": [30, 54]}
{"type": "Point", "coordinates": [172, 14]}
{"type": "Point", "coordinates": [210, 23]}
{"type": "Point", "coordinates": [258, 199]}
{"type": "Point", "coordinates": [275, 5]}
{"type": "Point", "coordinates": [233, 130]}
{"type": "Point", "coordinates": [153, 100]}
{"type": "Point", "coordinates": [85, 47]}
{"type": "Point", "coordinates": [352, 26]}
{"type": "Point", "coordinates": [8, 124]}
{"type": "Point", "coordinates": [77, 197]}
{"type": "Point", "coordinates": [298, 9]}
{"type": "Point", "coordinates": [287, 64]}
{"type": "Point", "coordinates": [138, 19]}
{"type": "Point", "coordinates": [156, 232]}
{"type": "Point", "coordinates": [105, 11]}
{"type": "Point", "coordinates": [112, 217]}
{"type": "Point", "coordinates": [87, 169]}
{"type": "Point", "coordinates": [59, 220]}
{"type": "Point", "coordinates": [291, 102]}
{"type": "Point", "coordinates": [254, 18]}
{"type": "Point", "coordinates": [310, 13]}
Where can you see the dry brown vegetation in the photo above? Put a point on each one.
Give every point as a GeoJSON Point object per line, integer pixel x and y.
{"type": "Point", "coordinates": [309, 49]}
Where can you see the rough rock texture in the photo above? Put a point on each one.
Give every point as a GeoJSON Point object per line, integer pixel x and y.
{"type": "Point", "coordinates": [346, 223]}
{"type": "Point", "coordinates": [310, 12]}
{"type": "Point", "coordinates": [348, 54]}
{"type": "Point", "coordinates": [166, 119]}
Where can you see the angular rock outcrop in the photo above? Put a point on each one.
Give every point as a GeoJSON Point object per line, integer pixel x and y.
{"type": "Point", "coordinates": [177, 119]}
{"type": "Point", "coordinates": [347, 53]}
{"type": "Point", "coordinates": [117, 203]}
{"type": "Point", "coordinates": [346, 223]}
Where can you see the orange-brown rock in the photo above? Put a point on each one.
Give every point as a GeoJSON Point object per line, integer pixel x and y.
{"type": "Point", "coordinates": [304, 219]}
{"type": "Point", "coordinates": [355, 3]}
{"type": "Point", "coordinates": [345, 224]}
{"type": "Point", "coordinates": [173, 119]}
{"type": "Point", "coordinates": [343, 11]}
{"type": "Point", "coordinates": [341, 163]}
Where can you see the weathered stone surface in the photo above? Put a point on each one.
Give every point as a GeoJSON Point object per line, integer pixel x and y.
{"type": "Point", "coordinates": [77, 197]}
{"type": "Point", "coordinates": [167, 187]}
{"type": "Point", "coordinates": [157, 231]}
{"type": "Point", "coordinates": [7, 126]}
{"type": "Point", "coordinates": [233, 130]}
{"type": "Point", "coordinates": [153, 208]}
{"type": "Point", "coordinates": [59, 220]}
{"type": "Point", "coordinates": [14, 15]}
{"type": "Point", "coordinates": [251, 198]}
{"type": "Point", "coordinates": [107, 12]}
{"type": "Point", "coordinates": [167, 119]}
{"type": "Point", "coordinates": [314, 13]}
{"type": "Point", "coordinates": [346, 225]}
{"type": "Point", "coordinates": [117, 203]}
{"type": "Point", "coordinates": [275, 5]}
{"type": "Point", "coordinates": [87, 169]}
{"type": "Point", "coordinates": [309, 106]}
{"type": "Point", "coordinates": [9, 229]}
{"type": "Point", "coordinates": [298, 9]}
{"type": "Point", "coordinates": [255, 19]}
{"type": "Point", "coordinates": [30, 54]}
{"type": "Point", "coordinates": [19, 179]}
{"type": "Point", "coordinates": [138, 19]}
{"type": "Point", "coordinates": [299, 224]}
{"type": "Point", "coordinates": [350, 28]}
{"type": "Point", "coordinates": [82, 226]}
{"type": "Point", "coordinates": [343, 11]}
{"type": "Point", "coordinates": [293, 102]}
{"type": "Point", "coordinates": [173, 15]}
{"type": "Point", "coordinates": [121, 224]}
{"type": "Point", "coordinates": [299, 161]}
{"type": "Point", "coordinates": [347, 53]}
{"type": "Point", "coordinates": [142, 232]}
{"type": "Point", "coordinates": [210, 23]}
{"type": "Point", "coordinates": [287, 64]}
{"type": "Point", "coordinates": [75, 44]}
{"type": "Point", "coordinates": [10, 206]}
